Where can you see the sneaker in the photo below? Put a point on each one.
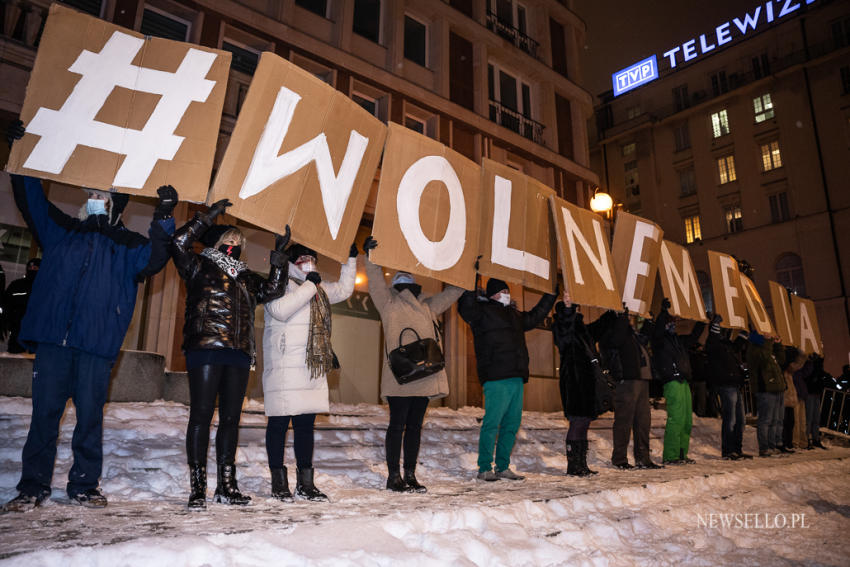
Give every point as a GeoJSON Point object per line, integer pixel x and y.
{"type": "Point", "coordinates": [787, 450]}
{"type": "Point", "coordinates": [508, 474]}
{"type": "Point", "coordinates": [648, 465]}
{"type": "Point", "coordinates": [624, 466]}
{"type": "Point", "coordinates": [673, 462]}
{"type": "Point", "coordinates": [687, 461]}
{"type": "Point", "coordinates": [744, 456]}
{"type": "Point", "coordinates": [24, 502]}
{"type": "Point", "coordinates": [489, 476]}
{"type": "Point", "coordinates": [91, 498]}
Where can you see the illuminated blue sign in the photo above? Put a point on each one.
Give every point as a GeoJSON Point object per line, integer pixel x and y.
{"type": "Point", "coordinates": [638, 74]}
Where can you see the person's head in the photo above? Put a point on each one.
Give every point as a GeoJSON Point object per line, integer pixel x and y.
{"type": "Point", "coordinates": [845, 370]}
{"type": "Point", "coordinates": [97, 203]}
{"type": "Point", "coordinates": [404, 281]}
{"type": "Point", "coordinates": [225, 238]}
{"type": "Point", "coordinates": [304, 258]}
{"type": "Point", "coordinates": [32, 268]}
{"type": "Point", "coordinates": [497, 290]}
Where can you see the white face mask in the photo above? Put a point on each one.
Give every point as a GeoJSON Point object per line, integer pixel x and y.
{"type": "Point", "coordinates": [504, 299]}
{"type": "Point", "coordinates": [307, 267]}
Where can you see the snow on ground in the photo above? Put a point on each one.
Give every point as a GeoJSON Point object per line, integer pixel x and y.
{"type": "Point", "coordinates": [711, 513]}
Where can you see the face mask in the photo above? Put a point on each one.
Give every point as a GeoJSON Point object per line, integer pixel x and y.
{"type": "Point", "coordinates": [308, 266]}
{"type": "Point", "coordinates": [232, 251]}
{"type": "Point", "coordinates": [670, 328]}
{"type": "Point", "coordinates": [96, 207]}
{"type": "Point", "coordinates": [415, 289]}
{"type": "Point", "coordinates": [504, 299]}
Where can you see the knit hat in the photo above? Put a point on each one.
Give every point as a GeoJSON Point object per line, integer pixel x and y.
{"type": "Point", "coordinates": [213, 233]}
{"type": "Point", "coordinates": [297, 250]}
{"type": "Point", "coordinates": [494, 286]}
{"type": "Point", "coordinates": [402, 278]}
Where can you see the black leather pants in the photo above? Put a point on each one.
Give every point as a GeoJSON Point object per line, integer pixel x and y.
{"type": "Point", "coordinates": [207, 382]}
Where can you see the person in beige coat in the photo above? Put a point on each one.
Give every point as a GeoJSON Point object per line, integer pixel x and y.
{"type": "Point", "coordinates": [402, 306]}
{"type": "Point", "coordinates": [297, 357]}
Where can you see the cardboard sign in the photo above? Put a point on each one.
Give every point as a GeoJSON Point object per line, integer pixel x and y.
{"type": "Point", "coordinates": [782, 314]}
{"type": "Point", "coordinates": [302, 154]}
{"type": "Point", "coordinates": [428, 216]}
{"type": "Point", "coordinates": [585, 257]}
{"type": "Point", "coordinates": [636, 251]}
{"type": "Point", "coordinates": [759, 318]}
{"type": "Point", "coordinates": [806, 323]}
{"type": "Point", "coordinates": [517, 236]}
{"type": "Point", "coordinates": [729, 299]}
{"type": "Point", "coordinates": [679, 282]}
{"type": "Point", "coordinates": [107, 107]}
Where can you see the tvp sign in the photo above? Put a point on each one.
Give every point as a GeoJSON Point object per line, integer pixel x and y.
{"type": "Point", "coordinates": [636, 75]}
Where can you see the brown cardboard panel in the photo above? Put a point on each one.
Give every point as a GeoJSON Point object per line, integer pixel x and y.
{"type": "Point", "coordinates": [759, 318]}
{"type": "Point", "coordinates": [427, 216]}
{"type": "Point", "coordinates": [636, 251]}
{"type": "Point", "coordinates": [79, 122]}
{"type": "Point", "coordinates": [782, 315]}
{"type": "Point", "coordinates": [806, 324]}
{"type": "Point", "coordinates": [679, 282]}
{"type": "Point", "coordinates": [729, 299]}
{"type": "Point", "coordinates": [515, 208]}
{"type": "Point", "coordinates": [585, 256]}
{"type": "Point", "coordinates": [273, 184]}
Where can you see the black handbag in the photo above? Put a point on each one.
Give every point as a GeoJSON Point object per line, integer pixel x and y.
{"type": "Point", "coordinates": [416, 360]}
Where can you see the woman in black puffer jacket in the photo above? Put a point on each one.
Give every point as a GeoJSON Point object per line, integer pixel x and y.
{"type": "Point", "coordinates": [218, 340]}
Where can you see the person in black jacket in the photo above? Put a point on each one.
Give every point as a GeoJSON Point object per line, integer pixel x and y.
{"type": "Point", "coordinates": [218, 340]}
{"type": "Point", "coordinates": [15, 301]}
{"type": "Point", "coordinates": [815, 384]}
{"type": "Point", "coordinates": [671, 361]}
{"type": "Point", "coordinates": [579, 364]}
{"type": "Point", "coordinates": [726, 378]}
{"type": "Point", "coordinates": [498, 331]}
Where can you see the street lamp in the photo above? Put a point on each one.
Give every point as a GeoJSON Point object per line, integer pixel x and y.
{"type": "Point", "coordinates": [601, 202]}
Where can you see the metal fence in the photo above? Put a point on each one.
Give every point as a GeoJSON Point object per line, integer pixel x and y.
{"type": "Point", "coordinates": [835, 411]}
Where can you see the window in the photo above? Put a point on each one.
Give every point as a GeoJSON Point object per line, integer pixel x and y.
{"type": "Point", "coordinates": [367, 102]}
{"type": "Point", "coordinates": [461, 72]}
{"type": "Point", "coordinates": [244, 59]}
{"type": "Point", "coordinates": [88, 6]}
{"type": "Point", "coordinates": [414, 124]}
{"type": "Point", "coordinates": [680, 97]}
{"type": "Point", "coordinates": [420, 120]}
{"type": "Point", "coordinates": [629, 149]}
{"type": "Point", "coordinates": [323, 73]}
{"type": "Point", "coordinates": [682, 137]}
{"type": "Point", "coordinates": [692, 229]}
{"type": "Point", "coordinates": [789, 273]}
{"type": "Point", "coordinates": [705, 287]}
{"type": "Point", "coordinates": [734, 220]}
{"type": "Point", "coordinates": [779, 207]}
{"type": "Point", "coordinates": [761, 66]}
{"type": "Point", "coordinates": [367, 19]}
{"type": "Point", "coordinates": [319, 7]}
{"type": "Point", "coordinates": [687, 182]}
{"type": "Point", "coordinates": [415, 41]}
{"type": "Point", "coordinates": [510, 13]}
{"type": "Point", "coordinates": [726, 169]}
{"type": "Point", "coordinates": [509, 91]}
{"type": "Point", "coordinates": [763, 108]}
{"type": "Point", "coordinates": [632, 178]}
{"type": "Point", "coordinates": [771, 158]}
{"type": "Point", "coordinates": [371, 99]}
{"type": "Point", "coordinates": [719, 84]}
{"type": "Point", "coordinates": [841, 32]}
{"type": "Point", "coordinates": [633, 112]}
{"type": "Point", "coordinates": [720, 123]}
{"type": "Point", "coordinates": [158, 23]}
{"type": "Point", "coordinates": [845, 80]}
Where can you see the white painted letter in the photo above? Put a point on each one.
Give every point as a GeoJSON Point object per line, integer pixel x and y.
{"type": "Point", "coordinates": [638, 267]}
{"type": "Point", "coordinates": [598, 259]}
{"type": "Point", "coordinates": [730, 292]}
{"type": "Point", "coordinates": [501, 253]}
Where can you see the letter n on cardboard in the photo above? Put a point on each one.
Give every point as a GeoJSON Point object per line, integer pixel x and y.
{"type": "Point", "coordinates": [302, 154]}
{"type": "Point", "coordinates": [427, 216]}
{"type": "Point", "coordinates": [107, 107]}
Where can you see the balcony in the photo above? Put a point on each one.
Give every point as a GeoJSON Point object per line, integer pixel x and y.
{"type": "Point", "coordinates": [513, 120]}
{"type": "Point", "coordinates": [512, 34]}
{"type": "Point", "coordinates": [23, 21]}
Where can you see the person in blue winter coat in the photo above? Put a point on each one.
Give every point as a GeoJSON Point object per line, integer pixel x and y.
{"type": "Point", "coordinates": [81, 306]}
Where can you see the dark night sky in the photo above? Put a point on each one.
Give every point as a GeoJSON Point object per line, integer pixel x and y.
{"type": "Point", "coordinates": [620, 33]}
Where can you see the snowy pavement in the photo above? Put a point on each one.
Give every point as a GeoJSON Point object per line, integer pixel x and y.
{"type": "Point", "coordinates": [711, 513]}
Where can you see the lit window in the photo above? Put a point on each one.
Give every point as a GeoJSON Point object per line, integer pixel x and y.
{"type": "Point", "coordinates": [629, 149]}
{"type": "Point", "coordinates": [726, 169]}
{"type": "Point", "coordinates": [734, 219]}
{"type": "Point", "coordinates": [771, 158]}
{"type": "Point", "coordinates": [692, 229]}
{"type": "Point", "coordinates": [763, 107]}
{"type": "Point", "coordinates": [720, 123]}
{"type": "Point", "coordinates": [779, 211]}
{"type": "Point", "coordinates": [415, 41]}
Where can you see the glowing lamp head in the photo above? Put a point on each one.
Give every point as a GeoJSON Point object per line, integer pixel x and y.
{"type": "Point", "coordinates": [601, 202]}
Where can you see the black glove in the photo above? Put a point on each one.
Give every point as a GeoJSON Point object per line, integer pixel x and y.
{"type": "Point", "coordinates": [560, 308]}
{"type": "Point", "coordinates": [314, 277]}
{"type": "Point", "coordinates": [278, 259]}
{"type": "Point", "coordinates": [352, 252]}
{"type": "Point", "coordinates": [369, 244]}
{"type": "Point", "coordinates": [167, 202]}
{"type": "Point", "coordinates": [665, 304]}
{"type": "Point", "coordinates": [15, 131]}
{"type": "Point", "coordinates": [625, 309]}
{"type": "Point", "coordinates": [478, 259]}
{"type": "Point", "coordinates": [557, 289]}
{"type": "Point", "coordinates": [217, 208]}
{"type": "Point", "coordinates": [280, 242]}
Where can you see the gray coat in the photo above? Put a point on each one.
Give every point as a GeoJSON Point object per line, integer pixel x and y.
{"type": "Point", "coordinates": [400, 310]}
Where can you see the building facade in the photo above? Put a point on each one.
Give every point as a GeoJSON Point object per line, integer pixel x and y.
{"type": "Point", "coordinates": [745, 149]}
{"type": "Point", "coordinates": [489, 78]}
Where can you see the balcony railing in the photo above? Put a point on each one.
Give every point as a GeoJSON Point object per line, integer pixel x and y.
{"type": "Point", "coordinates": [512, 34]}
{"type": "Point", "coordinates": [23, 20]}
{"type": "Point", "coordinates": [513, 120]}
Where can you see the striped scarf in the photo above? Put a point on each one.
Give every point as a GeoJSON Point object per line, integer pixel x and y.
{"type": "Point", "coordinates": [319, 353]}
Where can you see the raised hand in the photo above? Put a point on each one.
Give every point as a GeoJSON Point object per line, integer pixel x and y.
{"type": "Point", "coordinates": [280, 242]}
{"type": "Point", "coordinates": [15, 131]}
{"type": "Point", "coordinates": [314, 277]}
{"type": "Point", "coordinates": [352, 252]}
{"type": "Point", "coordinates": [167, 201]}
{"type": "Point", "coordinates": [665, 304]}
{"type": "Point", "coordinates": [369, 244]}
{"type": "Point", "coordinates": [218, 208]}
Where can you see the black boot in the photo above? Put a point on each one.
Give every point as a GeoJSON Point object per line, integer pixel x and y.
{"type": "Point", "coordinates": [396, 483]}
{"type": "Point", "coordinates": [304, 486]}
{"type": "Point", "coordinates": [227, 491]}
{"type": "Point", "coordinates": [410, 479]}
{"type": "Point", "coordinates": [280, 485]}
{"type": "Point", "coordinates": [584, 443]}
{"type": "Point", "coordinates": [198, 484]}
{"type": "Point", "coordinates": [574, 459]}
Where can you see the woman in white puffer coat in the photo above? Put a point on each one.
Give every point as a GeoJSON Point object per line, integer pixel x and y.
{"type": "Point", "coordinates": [297, 357]}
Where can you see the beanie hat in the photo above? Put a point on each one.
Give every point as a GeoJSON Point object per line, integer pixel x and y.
{"type": "Point", "coordinates": [494, 286]}
{"type": "Point", "coordinates": [402, 278]}
{"type": "Point", "coordinates": [297, 250]}
{"type": "Point", "coordinates": [213, 233]}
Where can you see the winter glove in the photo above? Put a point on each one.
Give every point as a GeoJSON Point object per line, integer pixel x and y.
{"type": "Point", "coordinates": [15, 131]}
{"type": "Point", "coordinates": [278, 259]}
{"type": "Point", "coordinates": [665, 304]}
{"type": "Point", "coordinates": [369, 244]}
{"type": "Point", "coordinates": [625, 309]}
{"type": "Point", "coordinates": [167, 202]}
{"type": "Point", "coordinates": [478, 260]}
{"type": "Point", "coordinates": [314, 277]}
{"type": "Point", "coordinates": [217, 208]}
{"type": "Point", "coordinates": [352, 252]}
{"type": "Point", "coordinates": [280, 242]}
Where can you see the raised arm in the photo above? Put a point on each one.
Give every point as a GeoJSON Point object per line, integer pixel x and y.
{"type": "Point", "coordinates": [284, 307]}
{"type": "Point", "coordinates": [47, 223]}
{"type": "Point", "coordinates": [535, 316]}
{"type": "Point", "coordinates": [275, 285]}
{"type": "Point", "coordinates": [342, 289]}
{"type": "Point", "coordinates": [160, 233]}
{"type": "Point", "coordinates": [443, 300]}
{"type": "Point", "coordinates": [378, 288]}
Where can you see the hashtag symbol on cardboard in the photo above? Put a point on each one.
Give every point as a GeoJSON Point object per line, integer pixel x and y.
{"type": "Point", "coordinates": [74, 124]}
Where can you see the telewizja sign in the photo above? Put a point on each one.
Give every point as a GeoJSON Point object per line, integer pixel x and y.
{"type": "Point", "coordinates": [646, 71]}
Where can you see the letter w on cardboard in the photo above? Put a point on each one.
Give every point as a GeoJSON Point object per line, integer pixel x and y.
{"type": "Point", "coordinates": [302, 154]}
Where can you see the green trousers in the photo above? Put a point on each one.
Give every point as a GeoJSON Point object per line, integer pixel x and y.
{"type": "Point", "coordinates": [677, 432]}
{"type": "Point", "coordinates": [502, 416]}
